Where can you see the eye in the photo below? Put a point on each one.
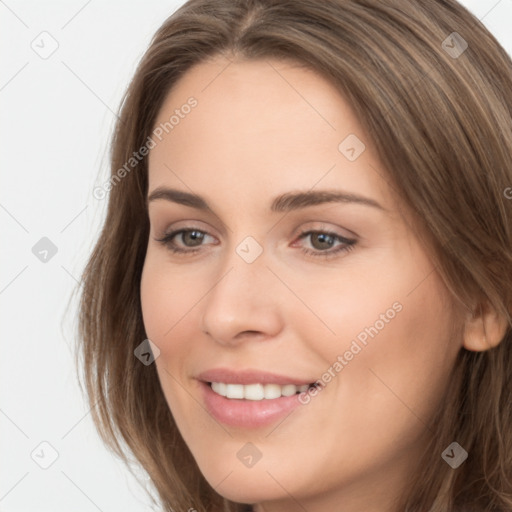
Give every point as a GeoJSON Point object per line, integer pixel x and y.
{"type": "Point", "coordinates": [190, 238]}
{"type": "Point", "coordinates": [326, 244]}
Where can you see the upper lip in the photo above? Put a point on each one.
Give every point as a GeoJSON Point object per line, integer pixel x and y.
{"type": "Point", "coordinates": [248, 376]}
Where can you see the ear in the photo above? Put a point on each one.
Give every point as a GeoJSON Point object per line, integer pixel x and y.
{"type": "Point", "coordinates": [484, 328]}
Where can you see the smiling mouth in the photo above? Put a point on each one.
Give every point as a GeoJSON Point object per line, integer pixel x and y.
{"type": "Point", "coordinates": [257, 391]}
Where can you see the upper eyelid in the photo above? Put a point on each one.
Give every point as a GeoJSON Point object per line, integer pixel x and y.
{"type": "Point", "coordinates": [320, 226]}
{"type": "Point", "coordinates": [166, 230]}
{"type": "Point", "coordinates": [302, 231]}
{"type": "Point", "coordinates": [223, 229]}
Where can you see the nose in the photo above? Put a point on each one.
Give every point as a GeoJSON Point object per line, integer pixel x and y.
{"type": "Point", "coordinates": [244, 303]}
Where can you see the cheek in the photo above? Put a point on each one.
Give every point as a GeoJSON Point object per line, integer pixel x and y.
{"type": "Point", "coordinates": [166, 299]}
{"type": "Point", "coordinates": [393, 351]}
{"type": "Point", "coordinates": [167, 305]}
{"type": "Point", "coordinates": [403, 365]}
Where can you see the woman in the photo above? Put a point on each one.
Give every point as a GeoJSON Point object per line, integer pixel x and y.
{"type": "Point", "coordinates": [301, 295]}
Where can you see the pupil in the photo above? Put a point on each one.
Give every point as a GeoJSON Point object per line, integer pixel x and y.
{"type": "Point", "coordinates": [193, 236]}
{"type": "Point", "coordinates": [324, 241]}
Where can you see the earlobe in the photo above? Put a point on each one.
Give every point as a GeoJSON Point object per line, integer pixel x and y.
{"type": "Point", "coordinates": [484, 328]}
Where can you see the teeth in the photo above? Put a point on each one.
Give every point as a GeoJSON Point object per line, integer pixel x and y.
{"type": "Point", "coordinates": [272, 391]}
{"type": "Point", "coordinates": [289, 390]}
{"type": "Point", "coordinates": [253, 392]}
{"type": "Point", "coordinates": [234, 390]}
{"type": "Point", "coordinates": [256, 391]}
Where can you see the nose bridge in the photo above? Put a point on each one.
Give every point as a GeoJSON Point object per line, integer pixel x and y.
{"type": "Point", "coordinates": [240, 299]}
{"type": "Point", "coordinates": [244, 266]}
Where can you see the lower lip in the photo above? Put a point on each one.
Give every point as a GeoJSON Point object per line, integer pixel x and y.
{"type": "Point", "coordinates": [247, 413]}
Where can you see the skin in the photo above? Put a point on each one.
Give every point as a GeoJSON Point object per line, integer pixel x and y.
{"type": "Point", "coordinates": [261, 129]}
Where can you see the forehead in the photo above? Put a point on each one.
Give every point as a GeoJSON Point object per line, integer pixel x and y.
{"type": "Point", "coordinates": [264, 124]}
{"type": "Point", "coordinates": [260, 93]}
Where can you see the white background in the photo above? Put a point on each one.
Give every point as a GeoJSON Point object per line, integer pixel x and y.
{"type": "Point", "coordinates": [57, 116]}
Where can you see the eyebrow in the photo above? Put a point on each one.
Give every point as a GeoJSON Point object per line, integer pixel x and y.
{"type": "Point", "coordinates": [283, 203]}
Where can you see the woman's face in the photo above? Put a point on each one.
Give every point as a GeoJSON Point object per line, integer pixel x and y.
{"type": "Point", "coordinates": [294, 267]}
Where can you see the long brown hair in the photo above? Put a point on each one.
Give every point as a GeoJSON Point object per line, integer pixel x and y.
{"type": "Point", "coordinates": [439, 115]}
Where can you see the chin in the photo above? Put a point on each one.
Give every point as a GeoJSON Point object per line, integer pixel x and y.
{"type": "Point", "coordinates": [245, 485]}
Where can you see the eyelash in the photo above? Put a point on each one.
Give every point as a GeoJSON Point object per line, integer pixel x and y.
{"type": "Point", "coordinates": [166, 241]}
